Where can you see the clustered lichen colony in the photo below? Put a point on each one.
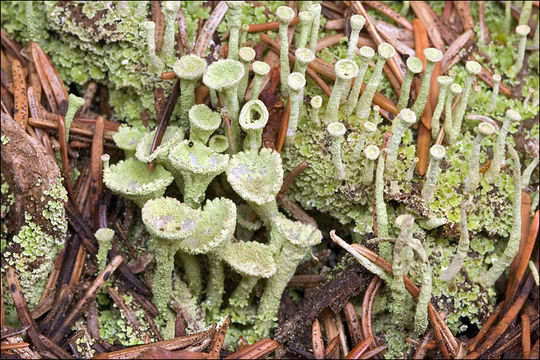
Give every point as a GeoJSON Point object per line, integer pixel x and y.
{"type": "Point", "coordinates": [340, 140]}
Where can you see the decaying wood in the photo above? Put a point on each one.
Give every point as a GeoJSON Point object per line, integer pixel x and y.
{"type": "Point", "coordinates": [159, 19]}
{"type": "Point", "coordinates": [20, 109]}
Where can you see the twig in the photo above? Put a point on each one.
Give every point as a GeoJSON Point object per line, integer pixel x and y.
{"type": "Point", "coordinates": [420, 9]}
{"type": "Point", "coordinates": [526, 335]}
{"type": "Point", "coordinates": [454, 50]}
{"type": "Point", "coordinates": [374, 352]}
{"type": "Point", "coordinates": [130, 316]}
{"type": "Point", "coordinates": [225, 116]}
{"type": "Point", "coordinates": [367, 306]}
{"type": "Point", "coordinates": [305, 280]}
{"type": "Point", "coordinates": [13, 48]}
{"type": "Point", "coordinates": [317, 340]}
{"type": "Point", "coordinates": [20, 110]}
{"type": "Point", "coordinates": [421, 351]}
{"type": "Point", "coordinates": [342, 336]}
{"type": "Point", "coordinates": [464, 12]}
{"type": "Point", "coordinates": [390, 13]}
{"type": "Point", "coordinates": [84, 302]}
{"type": "Point", "coordinates": [274, 25]}
{"type": "Point", "coordinates": [219, 338]}
{"type": "Point", "coordinates": [296, 211]}
{"type": "Point", "coordinates": [330, 327]}
{"type": "Point", "coordinates": [55, 349]}
{"type": "Point", "coordinates": [290, 178]}
{"type": "Point", "coordinates": [283, 127]}
{"type": "Point", "coordinates": [159, 19]}
{"type": "Point", "coordinates": [210, 26]}
{"type": "Point", "coordinates": [164, 119]}
{"type": "Point", "coordinates": [22, 307]}
{"type": "Point", "coordinates": [486, 327]}
{"type": "Point", "coordinates": [332, 348]}
{"type": "Point", "coordinates": [88, 96]}
{"type": "Point", "coordinates": [353, 324]}
{"type": "Point", "coordinates": [358, 350]}
{"type": "Point", "coordinates": [257, 350]}
{"type": "Point", "coordinates": [96, 170]}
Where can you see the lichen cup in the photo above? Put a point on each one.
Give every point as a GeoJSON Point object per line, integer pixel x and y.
{"type": "Point", "coordinates": [253, 261]}
{"type": "Point", "coordinates": [294, 240]}
{"type": "Point", "coordinates": [253, 118]}
{"type": "Point", "coordinates": [168, 221]}
{"type": "Point", "coordinates": [202, 123]}
{"type": "Point", "coordinates": [172, 135]}
{"type": "Point", "coordinates": [131, 179]}
{"type": "Point", "coordinates": [257, 177]}
{"type": "Point", "coordinates": [213, 232]}
{"type": "Point", "coordinates": [198, 165]}
{"type": "Point", "coordinates": [189, 69]}
{"type": "Point", "coordinates": [127, 138]}
{"type": "Point", "coordinates": [224, 77]}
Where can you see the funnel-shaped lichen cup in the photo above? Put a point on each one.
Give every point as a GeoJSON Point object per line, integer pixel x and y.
{"type": "Point", "coordinates": [172, 135]}
{"type": "Point", "coordinates": [257, 177]}
{"type": "Point", "coordinates": [202, 123]}
{"type": "Point", "coordinates": [253, 261]}
{"type": "Point", "coordinates": [253, 118]}
{"type": "Point", "coordinates": [189, 69]}
{"type": "Point", "coordinates": [213, 232]}
{"type": "Point", "coordinates": [290, 243]}
{"type": "Point", "coordinates": [198, 165]}
{"type": "Point", "coordinates": [224, 77]}
{"type": "Point", "coordinates": [168, 221]}
{"type": "Point", "coordinates": [246, 225]}
{"type": "Point", "coordinates": [127, 138]}
{"type": "Point", "coordinates": [131, 179]}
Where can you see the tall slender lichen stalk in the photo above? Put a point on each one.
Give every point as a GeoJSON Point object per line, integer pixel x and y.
{"type": "Point", "coordinates": [357, 23]}
{"type": "Point", "coordinates": [156, 64]}
{"type": "Point", "coordinates": [260, 68]}
{"type": "Point", "coordinates": [304, 57]}
{"type": "Point", "coordinates": [473, 68]}
{"type": "Point", "coordinates": [498, 149]}
{"type": "Point", "coordinates": [410, 170]}
{"type": "Point", "coordinates": [405, 8]}
{"type": "Point", "coordinates": [296, 83]}
{"type": "Point", "coordinates": [528, 97]}
{"type": "Point", "coordinates": [104, 237]}
{"type": "Point", "coordinates": [406, 118]}
{"type": "Point", "coordinates": [167, 48]}
{"type": "Point", "coordinates": [314, 37]}
{"type": "Point", "coordinates": [522, 31]}
{"type": "Point", "coordinates": [336, 130]}
{"type": "Point", "coordinates": [500, 264]}
{"type": "Point", "coordinates": [444, 83]}
{"type": "Point", "coordinates": [494, 93]}
{"type": "Point", "coordinates": [74, 104]}
{"type": "Point", "coordinates": [405, 223]}
{"type": "Point", "coordinates": [234, 22]}
{"type": "Point", "coordinates": [345, 69]}
{"type": "Point", "coordinates": [507, 16]}
{"type": "Point", "coordinates": [306, 19]}
{"type": "Point", "coordinates": [366, 54]}
{"type": "Point", "coordinates": [285, 15]}
{"type": "Point", "coordinates": [473, 179]}
{"type": "Point", "coordinates": [433, 56]}
{"type": "Point", "coordinates": [451, 136]}
{"type": "Point", "coordinates": [437, 153]}
{"type": "Point", "coordinates": [421, 315]}
{"type": "Point", "coordinates": [463, 245]}
{"type": "Point", "coordinates": [372, 153]}
{"type": "Point", "coordinates": [189, 69]}
{"type": "Point", "coordinates": [246, 55]}
{"type": "Point", "coordinates": [414, 66]}
{"type": "Point", "coordinates": [369, 129]}
{"type": "Point", "coordinates": [525, 13]}
{"type": "Point", "coordinates": [385, 250]}
{"type": "Point", "coordinates": [526, 176]}
{"type": "Point", "coordinates": [385, 51]}
{"type": "Point", "coordinates": [316, 103]}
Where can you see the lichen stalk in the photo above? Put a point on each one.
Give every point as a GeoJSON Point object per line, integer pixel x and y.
{"type": "Point", "coordinates": [346, 69]}
{"type": "Point", "coordinates": [405, 8]}
{"type": "Point", "coordinates": [436, 153]}
{"type": "Point", "coordinates": [463, 245]}
{"type": "Point", "coordinates": [385, 51]}
{"type": "Point", "coordinates": [525, 13]}
{"type": "Point", "coordinates": [406, 118]}
{"type": "Point", "coordinates": [357, 23]}
{"type": "Point", "coordinates": [444, 83]}
{"type": "Point", "coordinates": [234, 22]}
{"type": "Point", "coordinates": [253, 118]}
{"type": "Point", "coordinates": [507, 16]}
{"type": "Point", "coordinates": [167, 48]}
{"type": "Point", "coordinates": [498, 149]}
{"type": "Point", "coordinates": [156, 64]}
{"type": "Point", "coordinates": [246, 55]}
{"type": "Point", "coordinates": [74, 104]}
{"type": "Point", "coordinates": [31, 21]}
{"type": "Point", "coordinates": [473, 178]}
{"type": "Point", "coordinates": [316, 11]}
{"type": "Point", "coordinates": [296, 83]}
{"type": "Point", "coordinates": [285, 15]}
{"type": "Point", "coordinates": [410, 170]}
{"type": "Point", "coordinates": [522, 31]}
{"type": "Point", "coordinates": [163, 252]}
{"type": "Point", "coordinates": [405, 224]}
{"type": "Point", "coordinates": [450, 134]}
{"type": "Point", "coordinates": [382, 217]}
{"type": "Point", "coordinates": [104, 237]}
{"type": "Point", "coordinates": [369, 129]}
{"type": "Point", "coordinates": [421, 314]}
{"type": "Point", "coordinates": [260, 69]}
{"type": "Point", "coordinates": [433, 56]}
{"type": "Point", "coordinates": [494, 93]}
{"type": "Point", "coordinates": [304, 57]}
{"type": "Point", "coordinates": [336, 131]}
{"type": "Point", "coordinates": [192, 273]}
{"type": "Point", "coordinates": [500, 264]}
{"type": "Point", "coordinates": [240, 295]}
{"type": "Point", "coordinates": [316, 103]}
{"type": "Point", "coordinates": [473, 68]}
{"type": "Point", "coordinates": [366, 54]}
{"type": "Point", "coordinates": [526, 176]}
{"type": "Point", "coordinates": [215, 287]}
{"type": "Point", "coordinates": [306, 19]}
{"type": "Point", "coordinates": [189, 69]}
{"type": "Point", "coordinates": [371, 152]}
{"type": "Point", "coordinates": [414, 66]}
